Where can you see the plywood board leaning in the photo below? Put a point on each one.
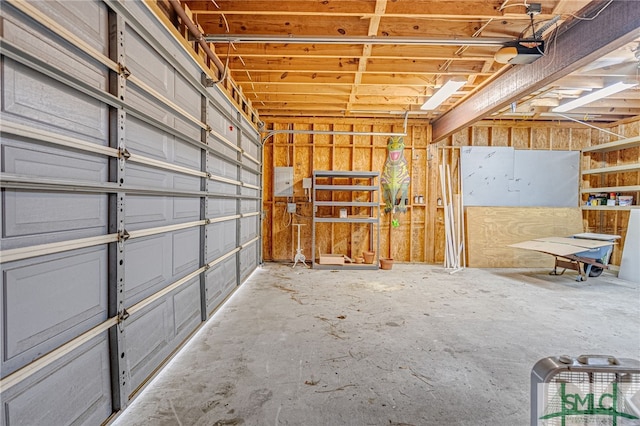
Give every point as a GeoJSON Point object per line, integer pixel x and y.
{"type": "Point", "coordinates": [490, 230]}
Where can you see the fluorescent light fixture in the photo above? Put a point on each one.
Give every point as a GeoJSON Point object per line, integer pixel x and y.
{"type": "Point", "coordinates": [598, 94]}
{"type": "Point", "coordinates": [448, 89]}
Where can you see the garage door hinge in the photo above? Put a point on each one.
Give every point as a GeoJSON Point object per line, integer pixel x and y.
{"type": "Point", "coordinates": [208, 129]}
{"type": "Point", "coordinates": [124, 154]}
{"type": "Point", "coordinates": [123, 70]}
{"type": "Point", "coordinates": [123, 235]}
{"type": "Point", "coordinates": [123, 315]}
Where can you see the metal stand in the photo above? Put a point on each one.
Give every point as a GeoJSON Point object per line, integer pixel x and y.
{"type": "Point", "coordinates": [299, 256]}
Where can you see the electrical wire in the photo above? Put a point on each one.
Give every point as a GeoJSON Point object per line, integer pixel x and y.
{"type": "Point", "coordinates": [594, 16]}
{"type": "Point", "coordinates": [505, 5]}
{"type": "Point", "coordinates": [554, 40]}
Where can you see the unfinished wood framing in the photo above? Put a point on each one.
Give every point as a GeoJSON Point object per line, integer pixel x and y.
{"type": "Point", "coordinates": [421, 234]}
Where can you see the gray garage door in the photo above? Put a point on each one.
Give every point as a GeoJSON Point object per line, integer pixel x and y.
{"type": "Point", "coordinates": [130, 205]}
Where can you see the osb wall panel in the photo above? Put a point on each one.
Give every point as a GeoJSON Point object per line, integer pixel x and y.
{"type": "Point", "coordinates": [420, 236]}
{"type": "Point", "coordinates": [490, 231]}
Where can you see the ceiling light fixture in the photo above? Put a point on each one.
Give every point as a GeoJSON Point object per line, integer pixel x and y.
{"type": "Point", "coordinates": [598, 94]}
{"type": "Point", "coordinates": [448, 89]}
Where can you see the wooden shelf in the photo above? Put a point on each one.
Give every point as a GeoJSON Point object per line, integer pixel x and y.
{"type": "Point", "coordinates": [628, 188]}
{"type": "Point", "coordinates": [622, 168]}
{"type": "Point", "coordinates": [346, 188]}
{"type": "Point", "coordinates": [320, 219]}
{"type": "Point", "coordinates": [620, 208]}
{"type": "Point", "coordinates": [346, 204]}
{"type": "Point", "coordinates": [613, 169]}
{"type": "Point", "coordinates": [615, 145]}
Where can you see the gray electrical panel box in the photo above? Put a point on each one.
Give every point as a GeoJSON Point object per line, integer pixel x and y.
{"type": "Point", "coordinates": [283, 182]}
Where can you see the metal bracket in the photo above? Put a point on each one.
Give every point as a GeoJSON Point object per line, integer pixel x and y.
{"type": "Point", "coordinates": [209, 82]}
{"type": "Point", "coordinates": [123, 315]}
{"type": "Point", "coordinates": [123, 70]}
{"type": "Point", "coordinates": [123, 235]}
{"type": "Point", "coordinates": [124, 154]}
{"type": "Point", "coordinates": [208, 129]}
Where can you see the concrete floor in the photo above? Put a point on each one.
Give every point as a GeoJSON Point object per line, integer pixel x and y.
{"type": "Point", "coordinates": [411, 346]}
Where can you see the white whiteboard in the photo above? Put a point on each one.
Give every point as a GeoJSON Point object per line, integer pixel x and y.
{"type": "Point", "coordinates": [503, 176]}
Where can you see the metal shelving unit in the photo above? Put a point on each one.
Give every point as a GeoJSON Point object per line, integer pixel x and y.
{"type": "Point", "coordinates": [353, 183]}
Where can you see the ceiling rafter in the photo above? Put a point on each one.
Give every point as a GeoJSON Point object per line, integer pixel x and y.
{"type": "Point", "coordinates": [390, 53]}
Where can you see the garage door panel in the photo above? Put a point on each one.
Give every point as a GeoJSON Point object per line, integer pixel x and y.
{"type": "Point", "coordinates": [248, 228]}
{"type": "Point", "coordinates": [221, 239]}
{"type": "Point", "coordinates": [249, 144]}
{"type": "Point", "coordinates": [44, 399]}
{"type": "Point", "coordinates": [187, 97]}
{"type": "Point", "coordinates": [145, 176]}
{"type": "Point", "coordinates": [186, 208]}
{"type": "Point", "coordinates": [143, 211]}
{"type": "Point", "coordinates": [58, 55]}
{"type": "Point", "coordinates": [220, 281]}
{"type": "Point", "coordinates": [186, 305]}
{"type": "Point", "coordinates": [155, 331]}
{"type": "Point", "coordinates": [146, 64]}
{"type": "Point", "coordinates": [46, 301]}
{"type": "Point", "coordinates": [222, 148]}
{"type": "Point", "coordinates": [51, 302]}
{"type": "Point", "coordinates": [141, 175]}
{"type": "Point", "coordinates": [186, 183]}
{"type": "Point", "coordinates": [248, 260]}
{"type": "Point", "coordinates": [186, 251]}
{"type": "Point", "coordinates": [222, 188]}
{"type": "Point", "coordinates": [220, 167]}
{"type": "Point", "coordinates": [141, 101]}
{"type": "Point", "coordinates": [147, 267]}
{"type": "Point", "coordinates": [87, 19]}
{"type": "Point", "coordinates": [147, 338]}
{"type": "Point", "coordinates": [221, 125]}
{"type": "Point", "coordinates": [249, 206]}
{"type": "Point", "coordinates": [221, 104]}
{"type": "Point", "coordinates": [147, 140]}
{"type": "Point", "coordinates": [28, 213]}
{"type": "Point", "coordinates": [250, 177]}
{"type": "Point", "coordinates": [187, 155]}
{"type": "Point", "coordinates": [219, 207]}
{"type": "Point", "coordinates": [187, 127]}
{"type": "Point", "coordinates": [56, 106]}
{"type": "Point", "coordinates": [249, 192]}
{"type": "Point", "coordinates": [39, 160]}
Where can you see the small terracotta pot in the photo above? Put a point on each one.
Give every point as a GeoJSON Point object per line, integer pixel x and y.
{"type": "Point", "coordinates": [386, 264]}
{"type": "Point", "coordinates": [368, 256]}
